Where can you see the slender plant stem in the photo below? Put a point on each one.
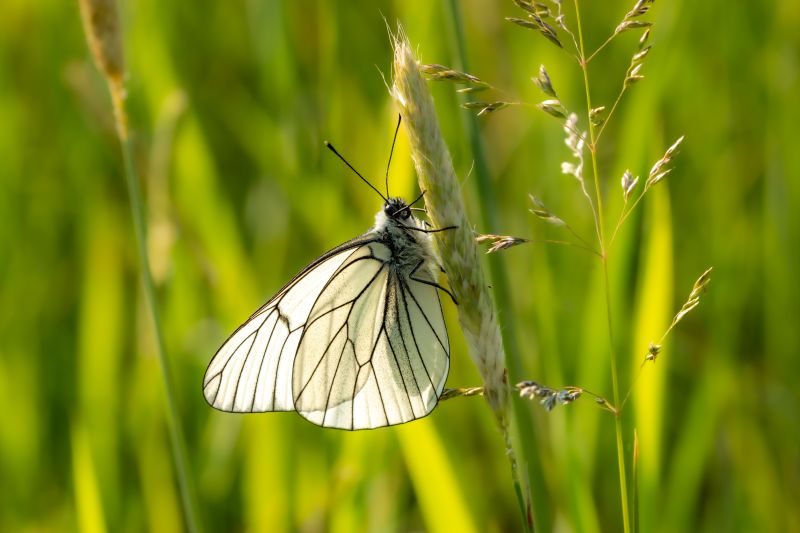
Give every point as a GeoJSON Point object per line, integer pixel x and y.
{"type": "Point", "coordinates": [626, 212]}
{"type": "Point", "coordinates": [137, 211]}
{"type": "Point", "coordinates": [584, 247]}
{"type": "Point", "coordinates": [601, 47]}
{"type": "Point", "coordinates": [623, 484]}
{"type": "Point", "coordinates": [613, 108]}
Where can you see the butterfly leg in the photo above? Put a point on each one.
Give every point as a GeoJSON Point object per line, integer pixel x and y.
{"type": "Point", "coordinates": [423, 230]}
{"type": "Point", "coordinates": [431, 283]}
{"type": "Point", "coordinates": [437, 230]}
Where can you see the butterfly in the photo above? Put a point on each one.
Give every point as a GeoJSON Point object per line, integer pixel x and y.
{"type": "Point", "coordinates": [356, 340]}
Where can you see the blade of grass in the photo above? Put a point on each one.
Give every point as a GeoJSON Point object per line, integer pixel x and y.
{"type": "Point", "coordinates": [87, 492]}
{"type": "Point", "coordinates": [101, 346]}
{"type": "Point", "coordinates": [652, 315]}
{"type": "Point", "coordinates": [443, 505]}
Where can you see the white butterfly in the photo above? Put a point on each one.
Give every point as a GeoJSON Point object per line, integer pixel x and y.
{"type": "Point", "coordinates": [356, 340]}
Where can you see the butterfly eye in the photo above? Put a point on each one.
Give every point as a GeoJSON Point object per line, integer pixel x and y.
{"type": "Point", "coordinates": [405, 213]}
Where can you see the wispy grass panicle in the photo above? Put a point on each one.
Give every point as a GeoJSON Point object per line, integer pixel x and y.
{"type": "Point", "coordinates": [585, 168]}
{"type": "Point", "coordinates": [473, 84]}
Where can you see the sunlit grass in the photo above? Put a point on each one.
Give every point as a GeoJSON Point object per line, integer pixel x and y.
{"type": "Point", "coordinates": [250, 196]}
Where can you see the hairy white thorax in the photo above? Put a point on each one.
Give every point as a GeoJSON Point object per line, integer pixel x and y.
{"type": "Point", "coordinates": [408, 246]}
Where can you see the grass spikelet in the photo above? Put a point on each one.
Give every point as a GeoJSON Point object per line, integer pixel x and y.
{"type": "Point", "coordinates": [659, 170]}
{"type": "Point", "coordinates": [485, 108]}
{"type": "Point", "coordinates": [553, 107]}
{"type": "Point", "coordinates": [442, 73]}
{"type": "Point", "coordinates": [536, 23]}
{"type": "Point", "coordinates": [543, 82]}
{"type": "Point", "coordinates": [499, 242]}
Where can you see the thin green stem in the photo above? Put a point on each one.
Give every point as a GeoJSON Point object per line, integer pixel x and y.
{"type": "Point", "coordinates": [611, 113]}
{"type": "Point", "coordinates": [601, 47]}
{"type": "Point", "coordinates": [175, 430]}
{"type": "Point", "coordinates": [583, 241]}
{"type": "Point", "coordinates": [623, 484]}
{"type": "Point", "coordinates": [625, 214]}
{"type": "Point", "coordinates": [584, 247]}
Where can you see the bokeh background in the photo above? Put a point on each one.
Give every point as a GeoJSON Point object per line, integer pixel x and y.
{"type": "Point", "coordinates": [230, 103]}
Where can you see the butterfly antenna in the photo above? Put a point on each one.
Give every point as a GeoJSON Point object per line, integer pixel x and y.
{"type": "Point", "coordinates": [332, 149]}
{"type": "Point", "coordinates": [418, 199]}
{"type": "Point", "coordinates": [394, 139]}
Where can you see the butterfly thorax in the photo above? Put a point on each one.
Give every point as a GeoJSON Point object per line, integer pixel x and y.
{"type": "Point", "coordinates": [405, 237]}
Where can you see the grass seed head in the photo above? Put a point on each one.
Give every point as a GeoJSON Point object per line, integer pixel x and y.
{"type": "Point", "coordinates": [628, 184]}
{"type": "Point", "coordinates": [499, 242]}
{"type": "Point", "coordinates": [542, 212]}
{"type": "Point", "coordinates": [445, 207]}
{"type": "Point", "coordinates": [631, 25]}
{"type": "Point", "coordinates": [553, 107]}
{"type": "Point", "coordinates": [101, 25]}
{"type": "Point", "coordinates": [485, 107]}
{"type": "Point", "coordinates": [543, 82]}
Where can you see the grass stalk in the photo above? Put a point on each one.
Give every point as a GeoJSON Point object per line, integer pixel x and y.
{"type": "Point", "coordinates": [623, 484]}
{"type": "Point", "coordinates": [104, 36]}
{"type": "Point", "coordinates": [177, 439]}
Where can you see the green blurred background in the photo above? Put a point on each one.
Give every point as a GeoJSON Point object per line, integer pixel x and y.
{"type": "Point", "coordinates": [230, 103]}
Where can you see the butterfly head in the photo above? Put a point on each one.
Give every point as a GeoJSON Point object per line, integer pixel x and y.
{"type": "Point", "coordinates": [397, 209]}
